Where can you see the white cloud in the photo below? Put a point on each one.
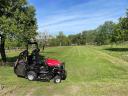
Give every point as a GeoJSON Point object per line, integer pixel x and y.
{"type": "Point", "coordinates": [83, 16]}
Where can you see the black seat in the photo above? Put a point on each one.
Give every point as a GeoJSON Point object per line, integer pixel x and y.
{"type": "Point", "coordinates": [34, 58]}
{"type": "Point", "coordinates": [23, 55]}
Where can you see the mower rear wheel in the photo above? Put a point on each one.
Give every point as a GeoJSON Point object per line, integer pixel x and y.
{"type": "Point", "coordinates": [57, 79]}
{"type": "Point", "coordinates": [31, 75]}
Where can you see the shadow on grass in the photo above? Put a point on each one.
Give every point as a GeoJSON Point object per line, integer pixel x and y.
{"type": "Point", "coordinates": [117, 49]}
{"type": "Point", "coordinates": [12, 59]}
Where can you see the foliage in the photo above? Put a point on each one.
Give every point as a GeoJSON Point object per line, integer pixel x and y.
{"type": "Point", "coordinates": [17, 23]}
{"type": "Point", "coordinates": [17, 20]}
{"type": "Point", "coordinates": [104, 33]}
{"type": "Point", "coordinates": [121, 30]}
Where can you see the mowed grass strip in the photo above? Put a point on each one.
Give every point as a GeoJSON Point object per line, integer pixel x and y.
{"type": "Point", "coordinates": [91, 72]}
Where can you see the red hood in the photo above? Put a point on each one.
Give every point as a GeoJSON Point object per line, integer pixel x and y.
{"type": "Point", "coordinates": [52, 62]}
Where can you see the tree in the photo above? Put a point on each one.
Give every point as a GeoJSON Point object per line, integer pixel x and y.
{"type": "Point", "coordinates": [17, 20]}
{"type": "Point", "coordinates": [121, 29]}
{"type": "Point", "coordinates": [104, 33]}
{"type": "Point", "coordinates": [43, 38]}
{"type": "Point", "coordinates": [2, 50]}
{"type": "Point", "coordinates": [61, 38]}
{"type": "Point", "coordinates": [91, 36]}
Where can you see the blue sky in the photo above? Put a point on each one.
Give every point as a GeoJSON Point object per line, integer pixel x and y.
{"type": "Point", "coordinates": [73, 16]}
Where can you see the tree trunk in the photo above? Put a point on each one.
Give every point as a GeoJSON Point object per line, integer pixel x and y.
{"type": "Point", "coordinates": [2, 49]}
{"type": "Point", "coordinates": [43, 47]}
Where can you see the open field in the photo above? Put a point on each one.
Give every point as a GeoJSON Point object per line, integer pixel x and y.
{"type": "Point", "coordinates": [92, 71]}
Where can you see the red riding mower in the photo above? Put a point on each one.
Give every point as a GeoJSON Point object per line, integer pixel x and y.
{"type": "Point", "coordinates": [32, 67]}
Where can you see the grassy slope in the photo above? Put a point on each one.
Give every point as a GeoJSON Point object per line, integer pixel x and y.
{"type": "Point", "coordinates": [120, 51]}
{"type": "Point", "coordinates": [91, 72]}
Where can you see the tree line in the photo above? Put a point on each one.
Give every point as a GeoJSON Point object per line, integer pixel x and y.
{"type": "Point", "coordinates": [107, 33]}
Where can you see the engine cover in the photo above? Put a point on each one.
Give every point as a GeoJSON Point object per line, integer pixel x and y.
{"type": "Point", "coordinates": [52, 62]}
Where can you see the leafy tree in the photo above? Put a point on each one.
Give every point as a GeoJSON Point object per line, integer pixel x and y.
{"type": "Point", "coordinates": [43, 38]}
{"type": "Point", "coordinates": [53, 42]}
{"type": "Point", "coordinates": [104, 33]}
{"type": "Point", "coordinates": [121, 29]}
{"type": "Point", "coordinates": [17, 20]}
{"type": "Point", "coordinates": [61, 38]}
{"type": "Point", "coordinates": [72, 39]}
{"type": "Point", "coordinates": [91, 36]}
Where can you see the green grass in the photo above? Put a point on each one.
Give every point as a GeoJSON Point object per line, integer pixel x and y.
{"type": "Point", "coordinates": [121, 51]}
{"type": "Point", "coordinates": [92, 71]}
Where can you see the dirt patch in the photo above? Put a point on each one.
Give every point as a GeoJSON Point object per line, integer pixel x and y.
{"type": "Point", "coordinates": [32, 91]}
{"type": "Point", "coordinates": [73, 89]}
{"type": "Point", "coordinates": [8, 91]}
{"type": "Point", "coordinates": [1, 87]}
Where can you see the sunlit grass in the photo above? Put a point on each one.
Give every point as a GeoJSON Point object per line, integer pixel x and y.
{"type": "Point", "coordinates": [92, 71]}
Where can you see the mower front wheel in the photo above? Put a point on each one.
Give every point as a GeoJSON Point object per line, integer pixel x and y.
{"type": "Point", "coordinates": [31, 75]}
{"type": "Point", "coordinates": [57, 79]}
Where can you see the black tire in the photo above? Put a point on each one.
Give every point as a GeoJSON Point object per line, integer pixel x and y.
{"type": "Point", "coordinates": [64, 76]}
{"type": "Point", "coordinates": [57, 79]}
{"type": "Point", "coordinates": [31, 75]}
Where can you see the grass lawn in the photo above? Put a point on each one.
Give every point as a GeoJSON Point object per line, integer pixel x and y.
{"type": "Point", "coordinates": [92, 71]}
